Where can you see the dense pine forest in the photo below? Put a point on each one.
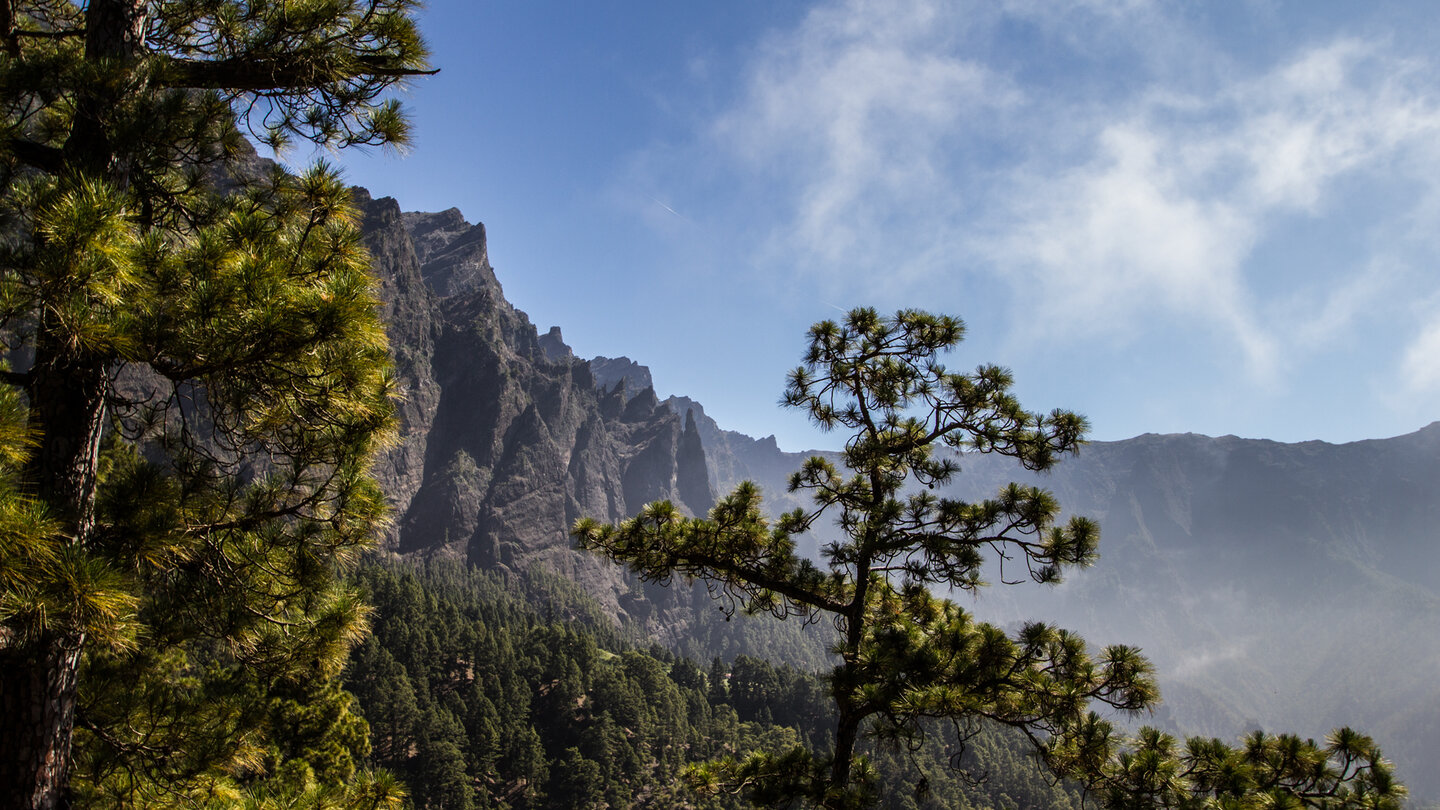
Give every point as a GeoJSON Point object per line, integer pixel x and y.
{"type": "Point", "coordinates": [490, 691]}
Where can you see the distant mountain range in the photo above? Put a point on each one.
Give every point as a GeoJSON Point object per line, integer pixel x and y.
{"type": "Point", "coordinates": [1290, 587]}
{"type": "Point", "coordinates": [1294, 587]}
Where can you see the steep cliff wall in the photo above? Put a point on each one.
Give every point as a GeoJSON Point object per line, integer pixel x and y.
{"type": "Point", "coordinates": [505, 438]}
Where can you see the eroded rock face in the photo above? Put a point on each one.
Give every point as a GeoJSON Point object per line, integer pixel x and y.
{"type": "Point", "coordinates": [612, 371]}
{"type": "Point", "coordinates": [410, 312]}
{"type": "Point", "coordinates": [505, 437]}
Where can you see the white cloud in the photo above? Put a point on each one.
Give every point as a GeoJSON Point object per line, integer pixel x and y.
{"type": "Point", "coordinates": [894, 155]}
{"type": "Point", "coordinates": [1201, 660]}
{"type": "Point", "coordinates": [1124, 235]}
{"type": "Point", "coordinates": [852, 117]}
{"type": "Point", "coordinates": [1420, 364]}
{"type": "Point", "coordinates": [1166, 213]}
{"type": "Point", "coordinates": [1324, 320]}
{"type": "Point", "coordinates": [1110, 172]}
{"type": "Point", "coordinates": [1322, 116]}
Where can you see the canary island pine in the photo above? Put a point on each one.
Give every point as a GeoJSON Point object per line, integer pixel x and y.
{"type": "Point", "coordinates": [908, 658]}
{"type": "Point", "coordinates": [198, 381]}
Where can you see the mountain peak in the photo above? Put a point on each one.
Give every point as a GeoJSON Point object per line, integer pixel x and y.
{"type": "Point", "coordinates": [553, 344]}
{"type": "Point", "coordinates": [609, 371]}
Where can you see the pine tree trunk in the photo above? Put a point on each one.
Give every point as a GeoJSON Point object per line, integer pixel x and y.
{"type": "Point", "coordinates": [847, 729]}
{"type": "Point", "coordinates": [37, 701]}
{"type": "Point", "coordinates": [114, 33]}
{"type": "Point", "coordinates": [67, 389]}
{"type": "Point", "coordinates": [67, 404]}
{"type": "Point", "coordinates": [115, 28]}
{"type": "Point", "coordinates": [849, 713]}
{"type": "Point", "coordinates": [38, 678]}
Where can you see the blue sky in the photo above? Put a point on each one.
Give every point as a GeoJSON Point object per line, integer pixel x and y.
{"type": "Point", "coordinates": [1218, 217]}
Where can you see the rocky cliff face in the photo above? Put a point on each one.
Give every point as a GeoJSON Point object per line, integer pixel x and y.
{"type": "Point", "coordinates": [505, 436]}
{"type": "Point", "coordinates": [612, 371]}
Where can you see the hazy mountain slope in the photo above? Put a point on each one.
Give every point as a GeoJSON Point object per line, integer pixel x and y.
{"type": "Point", "coordinates": [1286, 586]}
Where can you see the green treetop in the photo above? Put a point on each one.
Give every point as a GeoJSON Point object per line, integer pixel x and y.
{"type": "Point", "coordinates": [907, 657]}
{"type": "Point", "coordinates": [199, 380]}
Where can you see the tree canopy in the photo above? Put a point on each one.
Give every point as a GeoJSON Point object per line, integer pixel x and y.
{"type": "Point", "coordinates": [516, 691]}
{"type": "Point", "coordinates": [198, 379]}
{"type": "Point", "coordinates": [908, 657]}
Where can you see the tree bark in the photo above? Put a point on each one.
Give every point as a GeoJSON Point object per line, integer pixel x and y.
{"type": "Point", "coordinates": [114, 34]}
{"type": "Point", "coordinates": [67, 404]}
{"type": "Point", "coordinates": [7, 28]}
{"type": "Point", "coordinates": [67, 388]}
{"type": "Point", "coordinates": [37, 700]}
{"type": "Point", "coordinates": [847, 729]}
{"type": "Point", "coordinates": [849, 713]}
{"type": "Point", "coordinates": [39, 677]}
{"type": "Point", "coordinates": [115, 29]}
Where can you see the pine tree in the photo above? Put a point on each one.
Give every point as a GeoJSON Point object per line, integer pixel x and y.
{"type": "Point", "coordinates": [210, 323]}
{"type": "Point", "coordinates": [907, 657]}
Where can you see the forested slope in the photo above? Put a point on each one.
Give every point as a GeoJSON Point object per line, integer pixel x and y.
{"type": "Point", "coordinates": [484, 690]}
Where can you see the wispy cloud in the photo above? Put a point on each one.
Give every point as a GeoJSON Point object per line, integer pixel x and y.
{"type": "Point", "coordinates": [911, 148]}
{"type": "Point", "coordinates": [1107, 243]}
{"type": "Point", "coordinates": [1104, 176]}
{"type": "Point", "coordinates": [855, 120]}
{"type": "Point", "coordinates": [1166, 214]}
{"type": "Point", "coordinates": [1420, 363]}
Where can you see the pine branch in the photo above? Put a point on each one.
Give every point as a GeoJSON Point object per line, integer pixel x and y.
{"type": "Point", "coordinates": [46, 158]}
{"type": "Point", "coordinates": [261, 75]}
{"type": "Point", "coordinates": [16, 378]}
{"type": "Point", "coordinates": [755, 576]}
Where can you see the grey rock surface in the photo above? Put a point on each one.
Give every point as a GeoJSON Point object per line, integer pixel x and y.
{"type": "Point", "coordinates": [506, 438]}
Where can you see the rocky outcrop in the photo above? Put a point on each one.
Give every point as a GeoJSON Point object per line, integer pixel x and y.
{"type": "Point", "coordinates": [552, 343]}
{"type": "Point", "coordinates": [612, 371]}
{"type": "Point", "coordinates": [505, 436]}
{"type": "Point", "coordinates": [410, 311]}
